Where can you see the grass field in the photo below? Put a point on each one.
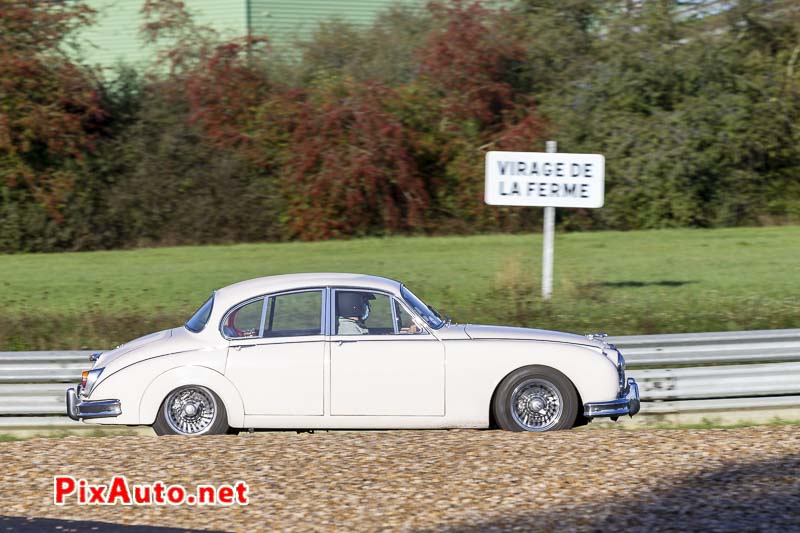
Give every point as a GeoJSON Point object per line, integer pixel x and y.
{"type": "Point", "coordinates": [620, 282]}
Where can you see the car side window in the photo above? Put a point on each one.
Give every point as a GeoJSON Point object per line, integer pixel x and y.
{"type": "Point", "coordinates": [245, 321]}
{"type": "Point", "coordinates": [294, 314]}
{"type": "Point", "coordinates": [371, 313]}
{"type": "Point", "coordinates": [405, 322]}
{"type": "Point", "coordinates": [362, 313]}
{"type": "Point", "coordinates": [379, 321]}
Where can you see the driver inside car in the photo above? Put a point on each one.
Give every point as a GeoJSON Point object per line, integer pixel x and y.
{"type": "Point", "coordinates": [352, 309]}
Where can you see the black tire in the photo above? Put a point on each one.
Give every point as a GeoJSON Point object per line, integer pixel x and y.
{"type": "Point", "coordinates": [545, 398]}
{"type": "Point", "coordinates": [203, 400]}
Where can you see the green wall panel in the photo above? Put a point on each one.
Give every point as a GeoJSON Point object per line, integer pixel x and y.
{"type": "Point", "coordinates": [284, 21]}
{"type": "Point", "coordinates": [115, 36]}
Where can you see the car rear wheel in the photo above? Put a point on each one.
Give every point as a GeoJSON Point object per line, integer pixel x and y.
{"type": "Point", "coordinates": [535, 398]}
{"type": "Point", "coordinates": [191, 410]}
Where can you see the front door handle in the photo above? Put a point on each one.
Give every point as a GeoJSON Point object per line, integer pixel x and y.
{"type": "Point", "coordinates": [342, 341]}
{"type": "Point", "coordinates": [240, 346]}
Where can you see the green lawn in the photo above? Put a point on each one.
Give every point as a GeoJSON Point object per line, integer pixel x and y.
{"type": "Point", "coordinates": [621, 282]}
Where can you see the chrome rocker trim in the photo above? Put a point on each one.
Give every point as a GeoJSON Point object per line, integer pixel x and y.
{"type": "Point", "coordinates": [626, 404]}
{"type": "Point", "coordinates": [82, 409]}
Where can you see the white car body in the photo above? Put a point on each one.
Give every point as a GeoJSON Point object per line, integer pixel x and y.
{"type": "Point", "coordinates": [444, 378]}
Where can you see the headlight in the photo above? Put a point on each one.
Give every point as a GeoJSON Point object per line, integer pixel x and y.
{"type": "Point", "coordinates": [89, 380]}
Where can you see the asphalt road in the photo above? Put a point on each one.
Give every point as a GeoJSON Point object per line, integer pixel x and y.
{"type": "Point", "coordinates": [646, 480]}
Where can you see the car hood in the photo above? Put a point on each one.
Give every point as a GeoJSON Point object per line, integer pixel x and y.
{"type": "Point", "coordinates": [475, 331]}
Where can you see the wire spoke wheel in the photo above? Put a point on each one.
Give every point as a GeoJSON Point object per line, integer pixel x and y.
{"type": "Point", "coordinates": [536, 404]}
{"type": "Point", "coordinates": [190, 410]}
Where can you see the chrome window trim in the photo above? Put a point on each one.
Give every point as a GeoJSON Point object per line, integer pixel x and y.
{"type": "Point", "coordinates": [263, 317]}
{"type": "Point", "coordinates": [322, 318]}
{"type": "Point", "coordinates": [392, 301]}
{"type": "Point", "coordinates": [264, 297]}
{"type": "Point", "coordinates": [330, 327]}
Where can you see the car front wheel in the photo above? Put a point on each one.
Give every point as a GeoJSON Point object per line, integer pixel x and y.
{"type": "Point", "coordinates": [191, 410]}
{"type": "Point", "coordinates": [535, 398]}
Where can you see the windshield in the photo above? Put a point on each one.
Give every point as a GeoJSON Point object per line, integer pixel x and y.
{"type": "Point", "coordinates": [200, 317]}
{"type": "Point", "coordinates": [428, 314]}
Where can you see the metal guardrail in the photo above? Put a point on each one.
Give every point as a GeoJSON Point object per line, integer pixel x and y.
{"type": "Point", "coordinates": [738, 381]}
{"type": "Point", "coordinates": [32, 384]}
{"type": "Point", "coordinates": [749, 405]}
{"type": "Point", "coordinates": [42, 367]}
{"type": "Point", "coordinates": [728, 347]}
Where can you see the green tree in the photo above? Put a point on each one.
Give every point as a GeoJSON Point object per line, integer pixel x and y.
{"type": "Point", "coordinates": [697, 117]}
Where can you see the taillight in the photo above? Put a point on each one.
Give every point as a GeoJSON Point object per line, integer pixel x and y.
{"type": "Point", "coordinates": [89, 380]}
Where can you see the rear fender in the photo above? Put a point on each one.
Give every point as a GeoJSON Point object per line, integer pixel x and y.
{"type": "Point", "coordinates": [170, 380]}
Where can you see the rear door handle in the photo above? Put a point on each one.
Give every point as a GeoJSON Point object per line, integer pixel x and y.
{"type": "Point", "coordinates": [240, 346]}
{"type": "Point", "coordinates": [342, 341]}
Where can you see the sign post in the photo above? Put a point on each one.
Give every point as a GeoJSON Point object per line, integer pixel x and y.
{"type": "Point", "coordinates": [546, 180]}
{"type": "Point", "coordinates": [548, 236]}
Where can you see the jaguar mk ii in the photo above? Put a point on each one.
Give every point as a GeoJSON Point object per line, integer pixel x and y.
{"type": "Point", "coordinates": [335, 351]}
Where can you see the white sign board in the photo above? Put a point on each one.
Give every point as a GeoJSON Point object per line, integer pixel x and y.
{"type": "Point", "coordinates": [545, 179]}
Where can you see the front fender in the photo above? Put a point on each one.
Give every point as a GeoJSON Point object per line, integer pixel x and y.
{"type": "Point", "coordinates": [476, 367]}
{"type": "Point", "coordinates": [160, 387]}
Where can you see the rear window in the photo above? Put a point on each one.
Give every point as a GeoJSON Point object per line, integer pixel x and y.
{"type": "Point", "coordinates": [200, 317]}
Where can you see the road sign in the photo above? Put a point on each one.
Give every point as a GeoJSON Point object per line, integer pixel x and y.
{"type": "Point", "coordinates": [545, 179]}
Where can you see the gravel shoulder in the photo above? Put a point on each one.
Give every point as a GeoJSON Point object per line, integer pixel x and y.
{"type": "Point", "coordinates": [725, 479]}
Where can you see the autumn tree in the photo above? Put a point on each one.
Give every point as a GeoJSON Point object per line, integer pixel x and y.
{"type": "Point", "coordinates": [470, 97]}
{"type": "Point", "coordinates": [352, 169]}
{"type": "Point", "coordinates": [49, 105]}
{"type": "Point", "coordinates": [181, 168]}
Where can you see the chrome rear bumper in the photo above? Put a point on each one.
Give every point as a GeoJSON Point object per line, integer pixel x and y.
{"type": "Point", "coordinates": [626, 404]}
{"type": "Point", "coordinates": [81, 409]}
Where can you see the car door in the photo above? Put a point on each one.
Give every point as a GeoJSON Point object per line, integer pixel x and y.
{"type": "Point", "coordinates": [276, 353]}
{"type": "Point", "coordinates": [384, 365]}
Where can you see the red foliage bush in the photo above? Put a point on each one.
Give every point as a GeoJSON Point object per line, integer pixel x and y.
{"type": "Point", "coordinates": [469, 59]}
{"type": "Point", "coordinates": [468, 66]}
{"type": "Point", "coordinates": [225, 92]}
{"type": "Point", "coordinates": [224, 84]}
{"type": "Point", "coordinates": [350, 167]}
{"type": "Point", "coordinates": [356, 157]}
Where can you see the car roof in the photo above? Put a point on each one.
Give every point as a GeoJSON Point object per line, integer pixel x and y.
{"type": "Point", "coordinates": [287, 282]}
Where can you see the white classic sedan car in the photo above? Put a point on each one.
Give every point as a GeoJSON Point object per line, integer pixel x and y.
{"type": "Point", "coordinates": [328, 351]}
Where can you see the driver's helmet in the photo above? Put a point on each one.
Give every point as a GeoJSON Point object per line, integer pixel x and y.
{"type": "Point", "coordinates": [353, 304]}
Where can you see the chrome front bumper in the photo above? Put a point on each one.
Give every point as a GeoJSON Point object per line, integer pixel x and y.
{"type": "Point", "coordinates": [78, 409]}
{"type": "Point", "coordinates": [626, 404]}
